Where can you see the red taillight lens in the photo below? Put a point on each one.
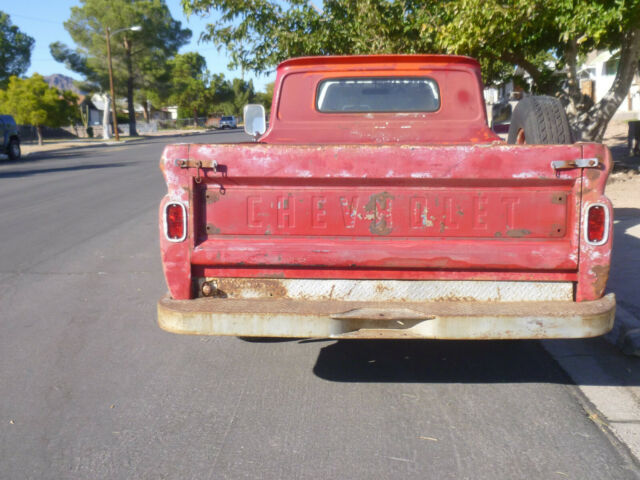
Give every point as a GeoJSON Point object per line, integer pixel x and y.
{"type": "Point", "coordinates": [174, 214]}
{"type": "Point", "coordinates": [596, 224]}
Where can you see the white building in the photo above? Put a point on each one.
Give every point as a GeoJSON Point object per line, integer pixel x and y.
{"type": "Point", "coordinates": [597, 75]}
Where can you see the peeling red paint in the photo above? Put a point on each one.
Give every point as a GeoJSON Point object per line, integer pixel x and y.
{"type": "Point", "coordinates": [594, 259]}
{"type": "Point", "coordinates": [438, 235]}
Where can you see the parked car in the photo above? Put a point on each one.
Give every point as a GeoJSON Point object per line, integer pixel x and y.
{"type": "Point", "coordinates": [9, 135]}
{"type": "Point", "coordinates": [228, 122]}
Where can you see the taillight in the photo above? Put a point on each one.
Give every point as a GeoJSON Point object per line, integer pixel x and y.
{"type": "Point", "coordinates": [175, 222]}
{"type": "Point", "coordinates": [597, 224]}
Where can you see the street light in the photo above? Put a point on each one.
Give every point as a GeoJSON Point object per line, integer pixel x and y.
{"type": "Point", "coordinates": [135, 28]}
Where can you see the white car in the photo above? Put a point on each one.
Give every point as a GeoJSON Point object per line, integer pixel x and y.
{"type": "Point", "coordinates": [228, 122]}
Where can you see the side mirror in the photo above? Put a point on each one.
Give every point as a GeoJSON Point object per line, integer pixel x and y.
{"type": "Point", "coordinates": [254, 119]}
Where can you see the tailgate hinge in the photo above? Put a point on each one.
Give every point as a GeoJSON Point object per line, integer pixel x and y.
{"type": "Point", "coordinates": [577, 163]}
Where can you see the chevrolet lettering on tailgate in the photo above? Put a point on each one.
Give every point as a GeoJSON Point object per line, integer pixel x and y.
{"type": "Point", "coordinates": [414, 212]}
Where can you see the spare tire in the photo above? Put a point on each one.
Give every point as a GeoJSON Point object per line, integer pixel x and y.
{"type": "Point", "coordinates": [539, 120]}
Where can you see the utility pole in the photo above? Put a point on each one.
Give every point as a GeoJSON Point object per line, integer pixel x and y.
{"type": "Point", "coordinates": [135, 28]}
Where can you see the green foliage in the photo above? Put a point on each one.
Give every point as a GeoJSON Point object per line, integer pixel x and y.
{"type": "Point", "coordinates": [538, 36]}
{"type": "Point", "coordinates": [545, 39]}
{"type": "Point", "coordinates": [159, 39]}
{"type": "Point", "coordinates": [196, 92]}
{"type": "Point", "coordinates": [243, 93]}
{"type": "Point", "coordinates": [221, 94]}
{"type": "Point", "coordinates": [500, 33]}
{"type": "Point", "coordinates": [189, 79]}
{"type": "Point", "coordinates": [230, 96]}
{"type": "Point", "coordinates": [139, 58]}
{"type": "Point", "coordinates": [32, 102]}
{"type": "Point", "coordinates": [260, 33]}
{"type": "Point", "coordinates": [265, 98]}
{"type": "Point", "coordinates": [15, 50]}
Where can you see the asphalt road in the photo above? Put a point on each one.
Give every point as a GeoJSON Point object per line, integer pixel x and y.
{"type": "Point", "coordinates": [91, 388]}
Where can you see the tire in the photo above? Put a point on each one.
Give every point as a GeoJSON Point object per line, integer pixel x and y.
{"type": "Point", "coordinates": [14, 149]}
{"type": "Point", "coordinates": [539, 121]}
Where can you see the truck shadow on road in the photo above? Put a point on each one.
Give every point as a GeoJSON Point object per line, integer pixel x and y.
{"type": "Point", "coordinates": [437, 361]}
{"type": "Point", "coordinates": [506, 361]}
{"type": "Point", "coordinates": [442, 361]}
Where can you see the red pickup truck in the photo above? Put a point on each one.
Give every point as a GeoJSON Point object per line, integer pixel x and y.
{"type": "Point", "coordinates": [378, 204]}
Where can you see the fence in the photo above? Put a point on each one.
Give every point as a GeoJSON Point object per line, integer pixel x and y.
{"type": "Point", "coordinates": [29, 133]}
{"type": "Point", "coordinates": [184, 123]}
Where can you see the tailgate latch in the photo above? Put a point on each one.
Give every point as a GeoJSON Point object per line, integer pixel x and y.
{"type": "Point", "coordinates": [188, 163]}
{"type": "Point", "coordinates": [577, 163]}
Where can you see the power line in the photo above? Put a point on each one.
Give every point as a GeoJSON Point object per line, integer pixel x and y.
{"type": "Point", "coordinates": [31, 18]}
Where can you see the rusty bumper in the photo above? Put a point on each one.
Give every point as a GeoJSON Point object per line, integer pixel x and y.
{"type": "Point", "coordinates": [346, 319]}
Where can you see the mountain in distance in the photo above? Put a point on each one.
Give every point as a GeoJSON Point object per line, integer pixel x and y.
{"type": "Point", "coordinates": [62, 82]}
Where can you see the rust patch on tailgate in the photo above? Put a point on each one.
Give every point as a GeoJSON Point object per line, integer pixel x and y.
{"type": "Point", "coordinates": [212, 229]}
{"type": "Point", "coordinates": [379, 207]}
{"type": "Point", "coordinates": [518, 233]}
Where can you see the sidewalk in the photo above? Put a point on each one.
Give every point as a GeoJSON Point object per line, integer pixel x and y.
{"type": "Point", "coordinates": [50, 145]}
{"type": "Point", "coordinates": [609, 382]}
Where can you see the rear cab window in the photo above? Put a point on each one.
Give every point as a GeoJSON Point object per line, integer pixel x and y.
{"type": "Point", "coordinates": [378, 94]}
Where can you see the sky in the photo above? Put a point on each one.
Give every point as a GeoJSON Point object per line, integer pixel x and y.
{"type": "Point", "coordinates": [43, 20]}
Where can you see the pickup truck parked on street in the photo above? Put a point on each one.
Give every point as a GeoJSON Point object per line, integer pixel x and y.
{"type": "Point", "coordinates": [379, 204]}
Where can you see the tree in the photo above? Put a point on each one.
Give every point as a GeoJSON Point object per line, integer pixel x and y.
{"type": "Point", "coordinates": [265, 98]}
{"type": "Point", "coordinates": [15, 50]}
{"type": "Point", "coordinates": [260, 33]}
{"type": "Point", "coordinates": [32, 102]}
{"type": "Point", "coordinates": [546, 39]}
{"type": "Point", "coordinates": [136, 55]}
{"type": "Point", "coordinates": [230, 96]}
{"type": "Point", "coordinates": [243, 94]}
{"type": "Point", "coordinates": [154, 86]}
{"type": "Point", "coordinates": [189, 79]}
{"type": "Point", "coordinates": [221, 94]}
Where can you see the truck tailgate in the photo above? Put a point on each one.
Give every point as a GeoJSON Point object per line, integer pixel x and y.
{"type": "Point", "coordinates": [386, 212]}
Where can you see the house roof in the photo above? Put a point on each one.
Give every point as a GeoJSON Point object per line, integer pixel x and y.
{"type": "Point", "coordinates": [597, 58]}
